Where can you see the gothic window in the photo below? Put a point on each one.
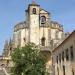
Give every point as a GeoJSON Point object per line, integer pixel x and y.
{"type": "Point", "coordinates": [43, 41]}
{"type": "Point", "coordinates": [10, 48]}
{"type": "Point", "coordinates": [60, 58]}
{"type": "Point", "coordinates": [63, 70]}
{"type": "Point", "coordinates": [71, 53]}
{"type": "Point", "coordinates": [57, 59]}
{"type": "Point", "coordinates": [63, 56]}
{"type": "Point", "coordinates": [67, 54]}
{"type": "Point", "coordinates": [34, 11]}
{"type": "Point", "coordinates": [43, 19]}
{"type": "Point", "coordinates": [24, 39]}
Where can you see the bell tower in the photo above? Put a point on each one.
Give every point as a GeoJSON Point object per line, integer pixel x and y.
{"type": "Point", "coordinates": [33, 12]}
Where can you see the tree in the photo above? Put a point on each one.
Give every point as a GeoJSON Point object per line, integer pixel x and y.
{"type": "Point", "coordinates": [28, 61]}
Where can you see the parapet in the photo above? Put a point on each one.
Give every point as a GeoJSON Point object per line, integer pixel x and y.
{"type": "Point", "coordinates": [56, 25]}
{"type": "Point", "coordinates": [20, 25]}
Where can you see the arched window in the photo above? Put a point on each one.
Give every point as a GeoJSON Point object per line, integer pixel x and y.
{"type": "Point", "coordinates": [34, 11]}
{"type": "Point", "coordinates": [43, 19]}
{"type": "Point", "coordinates": [43, 41]}
{"type": "Point", "coordinates": [63, 70]}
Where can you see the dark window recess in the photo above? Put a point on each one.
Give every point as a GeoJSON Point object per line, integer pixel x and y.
{"type": "Point", "coordinates": [43, 41]}
{"type": "Point", "coordinates": [71, 53]}
{"type": "Point", "coordinates": [60, 58]}
{"type": "Point", "coordinates": [57, 59]}
{"type": "Point", "coordinates": [63, 70]}
{"type": "Point", "coordinates": [34, 11]}
{"type": "Point", "coordinates": [10, 48]}
{"type": "Point", "coordinates": [67, 54]}
{"type": "Point", "coordinates": [24, 39]}
{"type": "Point", "coordinates": [43, 19]}
{"type": "Point", "coordinates": [63, 56]}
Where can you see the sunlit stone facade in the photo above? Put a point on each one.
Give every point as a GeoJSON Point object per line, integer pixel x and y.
{"type": "Point", "coordinates": [38, 28]}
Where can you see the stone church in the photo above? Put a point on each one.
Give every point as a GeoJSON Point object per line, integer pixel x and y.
{"type": "Point", "coordinates": [38, 28]}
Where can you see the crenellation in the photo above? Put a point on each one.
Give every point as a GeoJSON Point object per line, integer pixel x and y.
{"type": "Point", "coordinates": [19, 26]}
{"type": "Point", "coordinates": [56, 25]}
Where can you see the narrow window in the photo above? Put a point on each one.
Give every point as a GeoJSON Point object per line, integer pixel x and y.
{"type": "Point", "coordinates": [63, 70]}
{"type": "Point", "coordinates": [63, 56]}
{"type": "Point", "coordinates": [60, 58]}
{"type": "Point", "coordinates": [43, 41]}
{"type": "Point", "coordinates": [34, 11]}
{"type": "Point", "coordinates": [24, 39]}
{"type": "Point", "coordinates": [57, 59]}
{"type": "Point", "coordinates": [67, 54]}
{"type": "Point", "coordinates": [71, 53]}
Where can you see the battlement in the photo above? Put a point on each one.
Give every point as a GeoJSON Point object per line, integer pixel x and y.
{"type": "Point", "coordinates": [56, 25]}
{"type": "Point", "coordinates": [20, 25]}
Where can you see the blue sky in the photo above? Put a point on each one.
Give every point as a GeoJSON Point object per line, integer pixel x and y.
{"type": "Point", "coordinates": [13, 11]}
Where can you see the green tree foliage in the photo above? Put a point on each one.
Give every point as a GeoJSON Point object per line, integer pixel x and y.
{"type": "Point", "coordinates": [28, 61]}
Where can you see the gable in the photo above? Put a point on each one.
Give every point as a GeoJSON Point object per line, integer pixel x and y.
{"type": "Point", "coordinates": [43, 11]}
